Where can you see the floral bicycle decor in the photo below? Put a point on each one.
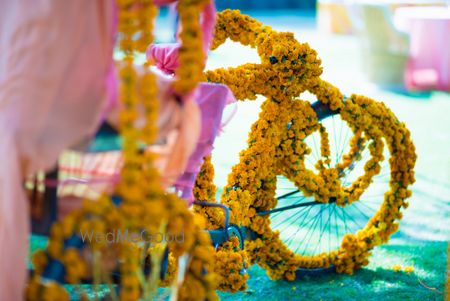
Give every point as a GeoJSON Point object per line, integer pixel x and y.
{"type": "Point", "coordinates": [241, 225]}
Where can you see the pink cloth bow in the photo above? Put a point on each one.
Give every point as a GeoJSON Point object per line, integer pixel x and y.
{"type": "Point", "coordinates": [165, 56]}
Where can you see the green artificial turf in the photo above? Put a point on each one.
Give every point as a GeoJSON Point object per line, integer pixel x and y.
{"type": "Point", "coordinates": [377, 281]}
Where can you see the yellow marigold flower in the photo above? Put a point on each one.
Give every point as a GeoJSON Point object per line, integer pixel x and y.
{"type": "Point", "coordinates": [408, 269]}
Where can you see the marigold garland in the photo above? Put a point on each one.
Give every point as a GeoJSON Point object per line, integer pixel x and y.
{"type": "Point", "coordinates": [205, 190]}
{"type": "Point", "coordinates": [145, 206]}
{"type": "Point", "coordinates": [191, 55]}
{"type": "Point", "coordinates": [230, 260]}
{"type": "Point", "coordinates": [231, 265]}
{"type": "Point", "coordinates": [276, 147]}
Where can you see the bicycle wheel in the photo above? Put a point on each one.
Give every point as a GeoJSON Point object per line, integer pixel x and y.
{"type": "Point", "coordinates": [315, 229]}
{"type": "Point", "coordinates": [308, 232]}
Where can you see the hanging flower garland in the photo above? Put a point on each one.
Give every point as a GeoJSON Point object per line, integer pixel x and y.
{"type": "Point", "coordinates": [191, 54]}
{"type": "Point", "coordinates": [144, 204]}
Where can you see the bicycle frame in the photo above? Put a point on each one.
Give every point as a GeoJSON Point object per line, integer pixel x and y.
{"type": "Point", "coordinates": [221, 235]}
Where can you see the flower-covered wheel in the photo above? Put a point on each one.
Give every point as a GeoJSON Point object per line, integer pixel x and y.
{"type": "Point", "coordinates": [326, 222]}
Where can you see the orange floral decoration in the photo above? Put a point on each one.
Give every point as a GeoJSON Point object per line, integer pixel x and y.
{"type": "Point", "coordinates": [276, 147]}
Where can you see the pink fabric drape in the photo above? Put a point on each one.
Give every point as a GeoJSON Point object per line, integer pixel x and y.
{"type": "Point", "coordinates": [97, 173]}
{"type": "Point", "coordinates": [55, 69]}
{"type": "Point", "coordinates": [211, 98]}
{"type": "Point", "coordinates": [178, 130]}
{"type": "Point", "coordinates": [428, 66]}
{"type": "Point", "coordinates": [55, 58]}
{"type": "Point", "coordinates": [165, 56]}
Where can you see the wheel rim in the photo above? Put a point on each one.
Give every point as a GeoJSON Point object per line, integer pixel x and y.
{"type": "Point", "coordinates": [317, 228]}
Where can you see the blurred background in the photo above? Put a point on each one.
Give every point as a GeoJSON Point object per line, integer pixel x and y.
{"type": "Point", "coordinates": [267, 5]}
{"type": "Point", "coordinates": [405, 43]}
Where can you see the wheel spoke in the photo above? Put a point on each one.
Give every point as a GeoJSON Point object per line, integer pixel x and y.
{"type": "Point", "coordinates": [321, 230]}
{"type": "Point", "coordinates": [318, 155]}
{"type": "Point", "coordinates": [299, 225]}
{"type": "Point", "coordinates": [316, 218]}
{"type": "Point", "coordinates": [283, 221]}
{"type": "Point", "coordinates": [309, 231]}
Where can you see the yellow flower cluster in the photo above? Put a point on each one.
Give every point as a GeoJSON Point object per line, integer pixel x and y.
{"type": "Point", "coordinates": [276, 147]}
{"type": "Point", "coordinates": [191, 55]}
{"type": "Point", "coordinates": [286, 65]}
{"type": "Point", "coordinates": [357, 145]}
{"type": "Point", "coordinates": [130, 285]}
{"type": "Point", "coordinates": [145, 205]}
{"type": "Point", "coordinates": [231, 265]}
{"type": "Point", "coordinates": [243, 29]}
{"type": "Point", "coordinates": [230, 260]}
{"type": "Point", "coordinates": [205, 190]}
{"type": "Point", "coordinates": [50, 292]}
{"type": "Point", "coordinates": [352, 255]}
{"type": "Point", "coordinates": [407, 269]}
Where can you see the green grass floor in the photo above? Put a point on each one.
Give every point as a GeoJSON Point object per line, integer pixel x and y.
{"type": "Point", "coordinates": [377, 281]}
